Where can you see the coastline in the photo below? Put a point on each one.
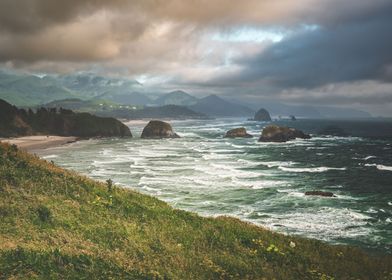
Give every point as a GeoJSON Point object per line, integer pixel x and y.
{"type": "Point", "coordinates": [39, 142]}
{"type": "Point", "coordinates": [71, 226]}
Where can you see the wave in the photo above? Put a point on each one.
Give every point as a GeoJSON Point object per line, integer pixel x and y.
{"type": "Point", "coordinates": [50, 156]}
{"type": "Point", "coordinates": [333, 223]}
{"type": "Point", "coordinates": [380, 166]}
{"type": "Point", "coordinates": [310, 169]}
{"type": "Point", "coordinates": [278, 164]}
{"type": "Point", "coordinates": [369, 157]}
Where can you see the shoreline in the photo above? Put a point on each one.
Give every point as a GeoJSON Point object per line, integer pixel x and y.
{"type": "Point", "coordinates": [112, 223]}
{"type": "Point", "coordinates": [39, 142]}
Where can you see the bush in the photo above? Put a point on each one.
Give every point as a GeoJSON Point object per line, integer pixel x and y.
{"type": "Point", "coordinates": [44, 214]}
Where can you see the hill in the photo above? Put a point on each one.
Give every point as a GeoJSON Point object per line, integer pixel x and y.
{"type": "Point", "coordinates": [126, 98]}
{"type": "Point", "coordinates": [56, 224]}
{"type": "Point", "coordinates": [178, 97]}
{"type": "Point", "coordinates": [215, 106]}
{"type": "Point", "coordinates": [75, 104]}
{"type": "Point", "coordinates": [109, 109]}
{"type": "Point", "coordinates": [88, 85]}
{"type": "Point", "coordinates": [29, 90]}
{"type": "Point", "coordinates": [166, 112]}
{"type": "Point", "coordinates": [19, 122]}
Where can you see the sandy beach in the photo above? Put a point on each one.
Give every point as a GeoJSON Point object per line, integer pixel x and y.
{"type": "Point", "coordinates": [39, 142]}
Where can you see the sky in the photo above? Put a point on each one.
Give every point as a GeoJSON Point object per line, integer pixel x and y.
{"type": "Point", "coordinates": [323, 52]}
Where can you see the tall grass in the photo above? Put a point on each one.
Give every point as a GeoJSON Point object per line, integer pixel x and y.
{"type": "Point", "coordinates": [56, 224]}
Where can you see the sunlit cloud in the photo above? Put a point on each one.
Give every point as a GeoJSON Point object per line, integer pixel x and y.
{"type": "Point", "coordinates": [259, 49]}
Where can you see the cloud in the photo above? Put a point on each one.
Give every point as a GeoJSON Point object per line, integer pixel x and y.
{"type": "Point", "coordinates": [354, 51]}
{"type": "Point", "coordinates": [117, 24]}
{"type": "Point", "coordinates": [273, 49]}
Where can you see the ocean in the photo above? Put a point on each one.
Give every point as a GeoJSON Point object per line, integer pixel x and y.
{"type": "Point", "coordinates": [263, 183]}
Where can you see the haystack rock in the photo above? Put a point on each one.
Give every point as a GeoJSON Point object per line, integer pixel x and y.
{"type": "Point", "coordinates": [262, 115]}
{"type": "Point", "coordinates": [274, 133]}
{"type": "Point", "coordinates": [157, 130]}
{"type": "Point", "coordinates": [238, 132]}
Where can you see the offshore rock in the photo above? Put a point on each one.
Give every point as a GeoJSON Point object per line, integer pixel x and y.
{"type": "Point", "coordinates": [157, 130]}
{"type": "Point", "coordinates": [320, 193]}
{"type": "Point", "coordinates": [238, 132]}
{"type": "Point", "coordinates": [274, 133]}
{"type": "Point", "coordinates": [262, 115]}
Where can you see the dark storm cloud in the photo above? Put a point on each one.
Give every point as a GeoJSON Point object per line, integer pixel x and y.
{"type": "Point", "coordinates": [356, 50]}
{"type": "Point", "coordinates": [22, 16]}
{"type": "Point", "coordinates": [172, 43]}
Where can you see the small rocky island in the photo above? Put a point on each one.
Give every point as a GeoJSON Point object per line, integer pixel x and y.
{"type": "Point", "coordinates": [320, 193]}
{"type": "Point", "coordinates": [274, 133]}
{"type": "Point", "coordinates": [157, 130]}
{"type": "Point", "coordinates": [262, 115]}
{"type": "Point", "coordinates": [237, 132]}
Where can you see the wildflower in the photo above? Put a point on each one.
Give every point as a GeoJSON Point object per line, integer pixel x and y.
{"type": "Point", "coordinates": [292, 244]}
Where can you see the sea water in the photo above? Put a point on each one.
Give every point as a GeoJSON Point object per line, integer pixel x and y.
{"type": "Point", "coordinates": [263, 183]}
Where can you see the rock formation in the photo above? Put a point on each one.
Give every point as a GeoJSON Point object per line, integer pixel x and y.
{"type": "Point", "coordinates": [320, 193]}
{"type": "Point", "coordinates": [274, 133]}
{"type": "Point", "coordinates": [238, 132]}
{"type": "Point", "coordinates": [262, 115]}
{"type": "Point", "coordinates": [158, 129]}
{"type": "Point", "coordinates": [16, 122]}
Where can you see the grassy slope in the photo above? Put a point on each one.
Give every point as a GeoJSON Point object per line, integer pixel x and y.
{"type": "Point", "coordinates": [57, 224]}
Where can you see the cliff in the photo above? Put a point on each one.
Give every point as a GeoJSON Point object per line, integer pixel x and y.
{"type": "Point", "coordinates": [20, 122]}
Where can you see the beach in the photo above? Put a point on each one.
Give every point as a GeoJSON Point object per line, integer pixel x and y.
{"type": "Point", "coordinates": [39, 142]}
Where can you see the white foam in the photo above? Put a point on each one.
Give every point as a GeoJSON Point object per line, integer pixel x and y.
{"type": "Point", "coordinates": [278, 164]}
{"type": "Point", "coordinates": [310, 169]}
{"type": "Point", "coordinates": [369, 157]}
{"type": "Point", "coordinates": [50, 156]}
{"type": "Point", "coordinates": [324, 223]}
{"type": "Point", "coordinates": [380, 167]}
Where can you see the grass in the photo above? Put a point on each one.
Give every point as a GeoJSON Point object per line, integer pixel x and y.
{"type": "Point", "coordinates": [57, 224]}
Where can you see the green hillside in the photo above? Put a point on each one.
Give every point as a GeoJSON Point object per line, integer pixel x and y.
{"type": "Point", "coordinates": [28, 90]}
{"type": "Point", "coordinates": [106, 108]}
{"type": "Point", "coordinates": [56, 224]}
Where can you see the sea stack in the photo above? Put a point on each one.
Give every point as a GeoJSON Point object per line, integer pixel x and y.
{"type": "Point", "coordinates": [262, 115]}
{"type": "Point", "coordinates": [320, 193]}
{"type": "Point", "coordinates": [274, 133]}
{"type": "Point", "coordinates": [157, 130]}
{"type": "Point", "coordinates": [237, 132]}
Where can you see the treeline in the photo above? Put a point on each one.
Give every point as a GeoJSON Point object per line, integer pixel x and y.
{"type": "Point", "coordinates": [22, 122]}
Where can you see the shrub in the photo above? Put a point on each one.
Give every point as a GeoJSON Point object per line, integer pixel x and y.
{"type": "Point", "coordinates": [44, 214]}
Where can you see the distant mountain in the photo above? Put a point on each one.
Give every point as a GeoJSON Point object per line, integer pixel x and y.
{"type": "Point", "coordinates": [126, 98]}
{"type": "Point", "coordinates": [178, 97]}
{"type": "Point", "coordinates": [115, 110]}
{"type": "Point", "coordinates": [166, 112]}
{"type": "Point", "coordinates": [21, 122]}
{"type": "Point", "coordinates": [79, 105]}
{"type": "Point", "coordinates": [216, 106]}
{"type": "Point", "coordinates": [90, 85]}
{"type": "Point", "coordinates": [30, 90]}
